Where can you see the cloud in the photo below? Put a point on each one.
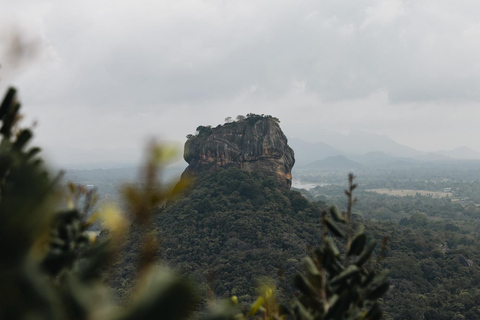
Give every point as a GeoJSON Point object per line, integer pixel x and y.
{"type": "Point", "coordinates": [383, 12]}
{"type": "Point", "coordinates": [163, 67]}
{"type": "Point", "coordinates": [170, 52]}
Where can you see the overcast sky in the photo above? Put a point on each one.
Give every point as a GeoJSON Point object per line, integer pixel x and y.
{"type": "Point", "coordinates": [102, 77]}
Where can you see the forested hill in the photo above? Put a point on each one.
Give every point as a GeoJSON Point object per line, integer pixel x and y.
{"type": "Point", "coordinates": [236, 227]}
{"type": "Point", "coordinates": [233, 228]}
{"type": "Point", "coordinates": [239, 222]}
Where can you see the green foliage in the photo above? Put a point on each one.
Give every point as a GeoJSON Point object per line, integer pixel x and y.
{"type": "Point", "coordinates": [22, 176]}
{"type": "Point", "coordinates": [430, 255]}
{"type": "Point", "coordinates": [52, 266]}
{"type": "Point", "coordinates": [336, 285]}
{"type": "Point", "coordinates": [238, 226]}
{"type": "Point", "coordinates": [204, 131]}
{"type": "Point", "coordinates": [252, 118]}
{"type": "Point", "coordinates": [240, 118]}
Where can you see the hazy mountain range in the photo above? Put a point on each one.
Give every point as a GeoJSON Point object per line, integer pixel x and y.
{"type": "Point", "coordinates": [368, 148]}
{"type": "Point", "coordinates": [335, 162]}
{"type": "Point", "coordinates": [361, 147]}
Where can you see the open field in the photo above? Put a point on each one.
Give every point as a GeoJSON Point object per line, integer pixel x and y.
{"type": "Point", "coordinates": [404, 193]}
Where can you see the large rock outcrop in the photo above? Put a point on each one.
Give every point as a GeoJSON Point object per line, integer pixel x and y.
{"type": "Point", "coordinates": [251, 145]}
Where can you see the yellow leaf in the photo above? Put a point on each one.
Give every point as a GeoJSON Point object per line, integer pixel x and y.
{"type": "Point", "coordinates": [92, 236]}
{"type": "Point", "coordinates": [70, 203]}
{"type": "Point", "coordinates": [93, 218]}
{"type": "Point", "coordinates": [113, 219]}
{"type": "Point", "coordinates": [268, 293]}
{"type": "Point", "coordinates": [255, 306]}
{"type": "Point", "coordinates": [71, 187]}
{"type": "Point", "coordinates": [161, 154]}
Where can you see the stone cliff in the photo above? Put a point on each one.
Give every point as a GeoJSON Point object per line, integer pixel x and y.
{"type": "Point", "coordinates": [253, 144]}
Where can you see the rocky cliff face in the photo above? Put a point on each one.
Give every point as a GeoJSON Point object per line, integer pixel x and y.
{"type": "Point", "coordinates": [248, 145]}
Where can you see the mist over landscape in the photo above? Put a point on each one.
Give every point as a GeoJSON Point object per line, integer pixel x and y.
{"type": "Point", "coordinates": [220, 160]}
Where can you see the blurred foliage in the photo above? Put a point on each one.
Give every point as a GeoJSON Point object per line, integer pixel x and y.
{"type": "Point", "coordinates": [51, 265]}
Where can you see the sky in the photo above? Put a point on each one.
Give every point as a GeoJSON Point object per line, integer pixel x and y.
{"type": "Point", "coordinates": [102, 78]}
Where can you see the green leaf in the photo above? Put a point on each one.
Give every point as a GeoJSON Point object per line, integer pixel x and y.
{"type": "Point", "coordinates": [302, 284]}
{"type": "Point", "coordinates": [358, 242]}
{"type": "Point", "coordinates": [330, 246]}
{"type": "Point", "coordinates": [345, 274]}
{"type": "Point", "coordinates": [334, 228]}
{"type": "Point", "coordinates": [336, 214]}
{"type": "Point", "coordinates": [310, 267]}
{"type": "Point", "coordinates": [7, 102]}
{"type": "Point", "coordinates": [301, 312]}
{"type": "Point", "coordinates": [22, 139]}
{"type": "Point", "coordinates": [330, 257]}
{"type": "Point", "coordinates": [339, 306]}
{"type": "Point", "coordinates": [367, 252]}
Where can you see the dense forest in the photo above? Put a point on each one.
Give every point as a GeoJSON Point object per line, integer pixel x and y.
{"type": "Point", "coordinates": [432, 248]}
{"type": "Point", "coordinates": [433, 241]}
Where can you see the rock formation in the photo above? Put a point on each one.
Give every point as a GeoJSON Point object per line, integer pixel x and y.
{"type": "Point", "coordinates": [254, 144]}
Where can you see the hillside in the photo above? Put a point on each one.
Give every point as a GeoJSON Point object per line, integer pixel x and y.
{"type": "Point", "coordinates": [359, 142]}
{"type": "Point", "coordinates": [461, 153]}
{"type": "Point", "coordinates": [241, 227]}
{"type": "Point", "coordinates": [306, 152]}
{"type": "Point", "coordinates": [239, 221]}
{"type": "Point", "coordinates": [335, 162]}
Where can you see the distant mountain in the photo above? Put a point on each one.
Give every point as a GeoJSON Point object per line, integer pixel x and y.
{"type": "Point", "coordinates": [306, 152]}
{"type": "Point", "coordinates": [371, 149]}
{"type": "Point", "coordinates": [359, 142]}
{"type": "Point", "coordinates": [376, 158]}
{"type": "Point", "coordinates": [460, 153]}
{"type": "Point", "coordinates": [334, 162]}
{"type": "Point", "coordinates": [433, 156]}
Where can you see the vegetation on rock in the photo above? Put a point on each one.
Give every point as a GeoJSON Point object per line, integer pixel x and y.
{"type": "Point", "coordinates": [254, 144]}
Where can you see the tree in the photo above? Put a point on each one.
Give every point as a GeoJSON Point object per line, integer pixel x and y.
{"type": "Point", "coordinates": [204, 130]}
{"type": "Point", "coordinates": [240, 118]}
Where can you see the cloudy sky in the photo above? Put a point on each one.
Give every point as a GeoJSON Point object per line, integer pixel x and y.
{"type": "Point", "coordinates": [103, 77]}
